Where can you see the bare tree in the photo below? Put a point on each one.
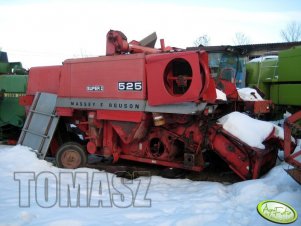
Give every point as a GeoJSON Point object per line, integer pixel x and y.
{"type": "Point", "coordinates": [83, 53]}
{"type": "Point", "coordinates": [202, 40]}
{"type": "Point", "coordinates": [241, 39]}
{"type": "Point", "coordinates": [292, 32]}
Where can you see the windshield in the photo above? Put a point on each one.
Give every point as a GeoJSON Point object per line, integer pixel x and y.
{"type": "Point", "coordinates": [228, 67]}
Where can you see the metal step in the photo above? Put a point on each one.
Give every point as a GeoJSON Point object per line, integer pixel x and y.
{"type": "Point", "coordinates": [40, 124]}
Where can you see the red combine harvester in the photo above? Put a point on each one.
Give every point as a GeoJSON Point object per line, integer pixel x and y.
{"type": "Point", "coordinates": [137, 103]}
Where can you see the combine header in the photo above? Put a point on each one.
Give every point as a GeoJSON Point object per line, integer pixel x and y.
{"type": "Point", "coordinates": [157, 106]}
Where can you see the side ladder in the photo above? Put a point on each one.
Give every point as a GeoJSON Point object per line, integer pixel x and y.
{"type": "Point", "coordinates": [40, 124]}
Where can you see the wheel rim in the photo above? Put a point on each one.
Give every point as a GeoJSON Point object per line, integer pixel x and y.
{"type": "Point", "coordinates": [71, 159]}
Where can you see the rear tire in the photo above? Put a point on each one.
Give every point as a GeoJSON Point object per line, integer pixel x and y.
{"type": "Point", "coordinates": [71, 155]}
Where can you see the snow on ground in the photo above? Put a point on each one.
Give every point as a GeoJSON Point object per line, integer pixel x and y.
{"type": "Point", "coordinates": [173, 201]}
{"type": "Point", "coordinates": [249, 94]}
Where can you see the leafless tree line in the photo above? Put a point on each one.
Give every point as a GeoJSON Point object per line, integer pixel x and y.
{"type": "Point", "coordinates": [291, 33]}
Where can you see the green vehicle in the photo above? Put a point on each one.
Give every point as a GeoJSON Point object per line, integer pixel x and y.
{"type": "Point", "coordinates": [279, 78]}
{"type": "Point", "coordinates": [13, 83]}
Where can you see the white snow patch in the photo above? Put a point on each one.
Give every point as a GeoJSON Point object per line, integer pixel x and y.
{"type": "Point", "coordinates": [249, 94]}
{"type": "Point", "coordinates": [260, 59]}
{"type": "Point", "coordinates": [279, 132]}
{"type": "Point", "coordinates": [220, 95]}
{"type": "Point", "coordinates": [251, 131]}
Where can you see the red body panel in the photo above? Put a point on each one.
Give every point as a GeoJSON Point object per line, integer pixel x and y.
{"type": "Point", "coordinates": [127, 116]}
{"type": "Point", "coordinates": [258, 107]}
{"type": "Point", "coordinates": [44, 79]}
{"type": "Point", "coordinates": [105, 72]}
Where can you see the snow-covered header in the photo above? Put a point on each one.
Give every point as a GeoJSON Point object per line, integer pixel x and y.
{"type": "Point", "coordinates": [249, 130]}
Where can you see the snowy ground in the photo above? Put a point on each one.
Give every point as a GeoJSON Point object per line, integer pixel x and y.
{"type": "Point", "coordinates": [173, 201]}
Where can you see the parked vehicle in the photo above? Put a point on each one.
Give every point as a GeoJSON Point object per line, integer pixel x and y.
{"type": "Point", "coordinates": [13, 83]}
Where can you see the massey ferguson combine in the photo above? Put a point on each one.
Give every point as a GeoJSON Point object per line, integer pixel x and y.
{"type": "Point", "coordinates": [156, 106]}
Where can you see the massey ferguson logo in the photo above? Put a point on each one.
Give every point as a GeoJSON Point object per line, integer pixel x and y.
{"type": "Point", "coordinates": [95, 88]}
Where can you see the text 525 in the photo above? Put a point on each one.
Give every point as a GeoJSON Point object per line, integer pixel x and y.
{"type": "Point", "coordinates": [129, 86]}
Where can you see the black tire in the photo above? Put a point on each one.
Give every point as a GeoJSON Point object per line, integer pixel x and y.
{"type": "Point", "coordinates": [71, 155]}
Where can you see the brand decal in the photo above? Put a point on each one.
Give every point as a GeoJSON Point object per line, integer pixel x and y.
{"type": "Point", "coordinates": [277, 212]}
{"type": "Point", "coordinates": [105, 105]}
{"type": "Point", "coordinates": [97, 88]}
{"type": "Point", "coordinates": [130, 86]}
{"type": "Point", "coordinates": [13, 95]}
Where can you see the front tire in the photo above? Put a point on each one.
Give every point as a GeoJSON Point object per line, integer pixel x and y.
{"type": "Point", "coordinates": [71, 155]}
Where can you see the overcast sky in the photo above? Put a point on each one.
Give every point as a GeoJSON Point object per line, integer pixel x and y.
{"type": "Point", "coordinates": [41, 32]}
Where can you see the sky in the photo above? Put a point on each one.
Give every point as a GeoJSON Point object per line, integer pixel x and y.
{"type": "Point", "coordinates": [46, 32]}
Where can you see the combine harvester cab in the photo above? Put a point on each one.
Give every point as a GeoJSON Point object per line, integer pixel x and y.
{"type": "Point", "coordinates": [157, 106]}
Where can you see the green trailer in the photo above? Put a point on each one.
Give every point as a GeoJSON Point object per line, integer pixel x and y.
{"type": "Point", "coordinates": [279, 78]}
{"type": "Point", "coordinates": [261, 72]}
{"type": "Point", "coordinates": [287, 90]}
{"type": "Point", "coordinates": [13, 83]}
